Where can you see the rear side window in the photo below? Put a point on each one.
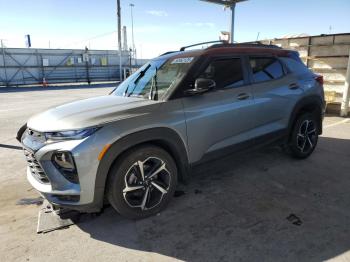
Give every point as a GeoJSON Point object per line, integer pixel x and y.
{"type": "Point", "coordinates": [295, 66]}
{"type": "Point", "coordinates": [227, 73]}
{"type": "Point", "coordinates": [265, 68]}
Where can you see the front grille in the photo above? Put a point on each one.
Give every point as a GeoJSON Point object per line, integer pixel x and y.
{"type": "Point", "coordinates": [35, 168]}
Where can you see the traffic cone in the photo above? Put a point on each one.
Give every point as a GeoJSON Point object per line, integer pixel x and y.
{"type": "Point", "coordinates": [44, 82]}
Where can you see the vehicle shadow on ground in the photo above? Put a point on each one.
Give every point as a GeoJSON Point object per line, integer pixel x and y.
{"type": "Point", "coordinates": [50, 88]}
{"type": "Point", "coordinates": [260, 206]}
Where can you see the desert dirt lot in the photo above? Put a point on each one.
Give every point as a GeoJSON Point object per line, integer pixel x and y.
{"type": "Point", "coordinates": [257, 206]}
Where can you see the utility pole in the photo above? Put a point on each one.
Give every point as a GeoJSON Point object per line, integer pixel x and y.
{"type": "Point", "coordinates": [119, 40]}
{"type": "Point", "coordinates": [346, 93]}
{"type": "Point", "coordinates": [232, 5]}
{"type": "Point", "coordinates": [132, 31]}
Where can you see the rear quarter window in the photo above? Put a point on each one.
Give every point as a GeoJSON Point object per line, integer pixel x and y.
{"type": "Point", "coordinates": [265, 68]}
{"type": "Point", "coordinates": [295, 66]}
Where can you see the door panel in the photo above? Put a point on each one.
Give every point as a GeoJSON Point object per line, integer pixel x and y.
{"type": "Point", "coordinates": [273, 98]}
{"type": "Point", "coordinates": [216, 120]}
{"type": "Point", "coordinates": [273, 102]}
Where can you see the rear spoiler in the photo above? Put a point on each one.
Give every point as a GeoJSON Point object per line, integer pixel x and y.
{"type": "Point", "coordinates": [295, 55]}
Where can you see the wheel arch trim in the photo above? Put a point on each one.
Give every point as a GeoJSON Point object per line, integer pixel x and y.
{"type": "Point", "coordinates": [313, 100]}
{"type": "Point", "coordinates": [164, 137]}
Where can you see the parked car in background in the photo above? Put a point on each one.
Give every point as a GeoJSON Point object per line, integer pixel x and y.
{"type": "Point", "coordinates": [131, 147]}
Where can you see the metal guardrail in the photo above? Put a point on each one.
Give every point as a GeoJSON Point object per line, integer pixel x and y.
{"type": "Point", "coordinates": [27, 66]}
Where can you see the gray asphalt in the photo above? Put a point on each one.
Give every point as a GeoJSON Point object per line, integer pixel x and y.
{"type": "Point", "coordinates": [257, 206]}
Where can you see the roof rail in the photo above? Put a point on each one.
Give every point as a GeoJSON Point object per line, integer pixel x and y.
{"type": "Point", "coordinates": [169, 52]}
{"type": "Point", "coordinates": [251, 44]}
{"type": "Point", "coordinates": [203, 43]}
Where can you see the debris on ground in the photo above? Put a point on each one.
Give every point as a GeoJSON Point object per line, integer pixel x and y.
{"type": "Point", "coordinates": [295, 220]}
{"type": "Point", "coordinates": [197, 191]}
{"type": "Point", "coordinates": [30, 201]}
{"type": "Point", "coordinates": [51, 219]}
{"type": "Point", "coordinates": [179, 193]}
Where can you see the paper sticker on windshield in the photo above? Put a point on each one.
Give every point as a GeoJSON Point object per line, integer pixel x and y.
{"type": "Point", "coordinates": [183, 60]}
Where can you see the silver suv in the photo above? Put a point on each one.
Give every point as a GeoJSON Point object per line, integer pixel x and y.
{"type": "Point", "coordinates": [131, 147]}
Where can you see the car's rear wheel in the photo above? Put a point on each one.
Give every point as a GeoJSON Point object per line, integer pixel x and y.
{"type": "Point", "coordinates": [304, 136]}
{"type": "Point", "coordinates": [142, 182]}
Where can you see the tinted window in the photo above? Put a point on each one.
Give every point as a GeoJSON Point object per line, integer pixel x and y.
{"type": "Point", "coordinates": [227, 73]}
{"type": "Point", "coordinates": [295, 66]}
{"type": "Point", "coordinates": [265, 68]}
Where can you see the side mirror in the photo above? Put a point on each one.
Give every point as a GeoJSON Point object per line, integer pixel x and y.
{"type": "Point", "coordinates": [201, 86]}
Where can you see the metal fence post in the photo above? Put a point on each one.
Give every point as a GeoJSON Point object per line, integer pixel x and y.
{"type": "Point", "coordinates": [4, 63]}
{"type": "Point", "coordinates": [87, 65]}
{"type": "Point", "coordinates": [346, 93]}
{"type": "Point", "coordinates": [308, 51]}
{"type": "Point", "coordinates": [40, 63]}
{"type": "Point", "coordinates": [87, 72]}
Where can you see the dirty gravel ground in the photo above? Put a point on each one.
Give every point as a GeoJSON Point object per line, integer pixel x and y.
{"type": "Point", "coordinates": [257, 206]}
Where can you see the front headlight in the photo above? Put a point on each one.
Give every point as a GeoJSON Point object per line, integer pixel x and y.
{"type": "Point", "coordinates": [70, 135]}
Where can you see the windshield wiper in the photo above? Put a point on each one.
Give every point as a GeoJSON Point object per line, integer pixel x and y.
{"type": "Point", "coordinates": [154, 86]}
{"type": "Point", "coordinates": [142, 73]}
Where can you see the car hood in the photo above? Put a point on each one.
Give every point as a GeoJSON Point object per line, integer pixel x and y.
{"type": "Point", "coordinates": [90, 112]}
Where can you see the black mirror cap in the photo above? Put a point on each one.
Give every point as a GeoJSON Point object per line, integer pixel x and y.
{"type": "Point", "coordinates": [201, 86]}
{"type": "Point", "coordinates": [204, 83]}
{"type": "Point", "coordinates": [192, 92]}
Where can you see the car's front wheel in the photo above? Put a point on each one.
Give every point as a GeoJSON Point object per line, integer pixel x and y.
{"type": "Point", "coordinates": [142, 182]}
{"type": "Point", "coordinates": [304, 136]}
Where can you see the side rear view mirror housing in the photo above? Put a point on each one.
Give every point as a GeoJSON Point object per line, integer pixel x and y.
{"type": "Point", "coordinates": [201, 86]}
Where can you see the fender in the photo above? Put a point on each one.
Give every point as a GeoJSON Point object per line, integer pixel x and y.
{"type": "Point", "coordinates": [314, 102]}
{"type": "Point", "coordinates": [162, 136]}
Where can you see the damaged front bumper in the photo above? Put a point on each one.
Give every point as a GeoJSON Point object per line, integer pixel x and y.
{"type": "Point", "coordinates": [45, 176]}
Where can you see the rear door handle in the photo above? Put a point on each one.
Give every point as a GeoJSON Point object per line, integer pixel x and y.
{"type": "Point", "coordinates": [294, 86]}
{"type": "Point", "coordinates": [243, 96]}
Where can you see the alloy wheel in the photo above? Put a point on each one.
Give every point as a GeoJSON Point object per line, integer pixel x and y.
{"type": "Point", "coordinates": [146, 182]}
{"type": "Point", "coordinates": [307, 136]}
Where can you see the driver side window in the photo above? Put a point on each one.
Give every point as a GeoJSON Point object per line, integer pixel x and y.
{"type": "Point", "coordinates": [227, 73]}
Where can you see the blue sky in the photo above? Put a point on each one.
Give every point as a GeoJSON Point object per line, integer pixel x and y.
{"type": "Point", "coordinates": [163, 25]}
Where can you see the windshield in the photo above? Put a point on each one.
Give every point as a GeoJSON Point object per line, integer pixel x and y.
{"type": "Point", "coordinates": [154, 79]}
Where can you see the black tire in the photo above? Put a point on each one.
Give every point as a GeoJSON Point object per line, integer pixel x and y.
{"type": "Point", "coordinates": [126, 175]}
{"type": "Point", "coordinates": [304, 136]}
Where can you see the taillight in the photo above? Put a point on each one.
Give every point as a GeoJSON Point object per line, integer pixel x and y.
{"type": "Point", "coordinates": [319, 79]}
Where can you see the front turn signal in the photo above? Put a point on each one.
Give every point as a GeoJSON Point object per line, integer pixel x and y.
{"type": "Point", "coordinates": [103, 152]}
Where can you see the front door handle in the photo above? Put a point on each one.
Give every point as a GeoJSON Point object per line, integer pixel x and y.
{"type": "Point", "coordinates": [243, 96]}
{"type": "Point", "coordinates": [294, 86]}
